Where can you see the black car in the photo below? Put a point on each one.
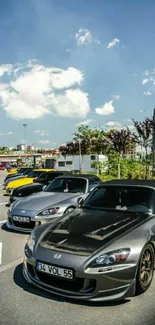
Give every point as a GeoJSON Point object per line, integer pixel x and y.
{"type": "Point", "coordinates": [38, 185]}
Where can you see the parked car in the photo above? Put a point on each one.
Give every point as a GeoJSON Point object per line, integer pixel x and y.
{"type": "Point", "coordinates": [13, 177]}
{"type": "Point", "coordinates": [60, 197]}
{"type": "Point", "coordinates": [39, 184]}
{"type": "Point", "coordinates": [2, 167]}
{"type": "Point", "coordinates": [102, 251]}
{"type": "Point", "coordinates": [24, 180]}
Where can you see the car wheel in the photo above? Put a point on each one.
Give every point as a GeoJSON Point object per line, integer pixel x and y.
{"type": "Point", "coordinates": [68, 210]}
{"type": "Point", "coordinates": [145, 269]}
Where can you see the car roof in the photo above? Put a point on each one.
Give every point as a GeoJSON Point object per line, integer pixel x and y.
{"type": "Point", "coordinates": [88, 176]}
{"type": "Point", "coordinates": [57, 172]}
{"type": "Point", "coordinates": [43, 169]}
{"type": "Point", "coordinates": [132, 182]}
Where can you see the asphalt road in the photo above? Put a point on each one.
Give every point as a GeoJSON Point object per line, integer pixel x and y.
{"type": "Point", "coordinates": [22, 304]}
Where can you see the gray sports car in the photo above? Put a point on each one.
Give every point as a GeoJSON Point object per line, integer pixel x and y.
{"type": "Point", "coordinates": [103, 250]}
{"type": "Point", "coordinates": [60, 197]}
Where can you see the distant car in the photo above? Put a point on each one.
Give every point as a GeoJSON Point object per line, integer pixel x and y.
{"type": "Point", "coordinates": [102, 251]}
{"type": "Point", "coordinates": [2, 167]}
{"type": "Point", "coordinates": [39, 184]}
{"type": "Point", "coordinates": [60, 197]}
{"type": "Point", "coordinates": [13, 177]}
{"type": "Point", "coordinates": [24, 180]}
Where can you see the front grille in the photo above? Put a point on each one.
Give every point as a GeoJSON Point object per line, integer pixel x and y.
{"type": "Point", "coordinates": [26, 225]}
{"type": "Point", "coordinates": [74, 286]}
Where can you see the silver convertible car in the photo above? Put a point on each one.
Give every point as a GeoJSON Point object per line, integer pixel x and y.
{"type": "Point", "coordinates": [60, 197]}
{"type": "Point", "coordinates": [103, 250]}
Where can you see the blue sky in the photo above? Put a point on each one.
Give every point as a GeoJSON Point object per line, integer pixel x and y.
{"type": "Point", "coordinates": [69, 62]}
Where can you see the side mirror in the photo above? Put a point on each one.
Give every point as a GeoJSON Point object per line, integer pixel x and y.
{"type": "Point", "coordinates": [44, 187]}
{"type": "Point", "coordinates": [80, 202]}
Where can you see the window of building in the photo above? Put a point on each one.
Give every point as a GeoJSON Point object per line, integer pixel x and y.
{"type": "Point", "coordinates": [69, 162]}
{"type": "Point", "coordinates": [93, 157]}
{"type": "Point", "coordinates": [61, 163]}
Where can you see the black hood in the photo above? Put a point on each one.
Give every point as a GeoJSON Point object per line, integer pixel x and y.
{"type": "Point", "coordinates": [85, 231]}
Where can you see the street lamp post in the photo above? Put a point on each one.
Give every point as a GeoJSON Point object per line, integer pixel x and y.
{"type": "Point", "coordinates": [25, 129]}
{"type": "Point", "coordinates": [80, 156]}
{"type": "Point", "coordinates": [153, 146]}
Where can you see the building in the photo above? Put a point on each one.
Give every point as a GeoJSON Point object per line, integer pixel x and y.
{"type": "Point", "coordinates": [20, 147]}
{"type": "Point", "coordinates": [77, 163]}
{"type": "Point", "coordinates": [30, 148]}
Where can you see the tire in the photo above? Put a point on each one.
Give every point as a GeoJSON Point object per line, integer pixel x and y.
{"type": "Point", "coordinates": [68, 210]}
{"type": "Point", "coordinates": [145, 269]}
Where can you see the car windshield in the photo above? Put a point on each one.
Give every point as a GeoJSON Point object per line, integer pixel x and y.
{"type": "Point", "coordinates": [34, 173]}
{"type": "Point", "coordinates": [117, 198]}
{"type": "Point", "coordinates": [67, 185]}
{"type": "Point", "coordinates": [26, 171]}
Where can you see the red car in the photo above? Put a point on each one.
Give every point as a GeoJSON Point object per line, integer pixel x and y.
{"type": "Point", "coordinates": [2, 167]}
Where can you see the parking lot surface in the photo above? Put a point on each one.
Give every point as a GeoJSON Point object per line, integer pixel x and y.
{"type": "Point", "coordinates": [22, 304]}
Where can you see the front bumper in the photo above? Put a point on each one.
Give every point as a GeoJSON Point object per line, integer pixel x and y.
{"type": "Point", "coordinates": [26, 227]}
{"type": "Point", "coordinates": [109, 286]}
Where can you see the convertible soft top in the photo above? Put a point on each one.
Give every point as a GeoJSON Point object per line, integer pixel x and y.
{"type": "Point", "coordinates": [138, 182]}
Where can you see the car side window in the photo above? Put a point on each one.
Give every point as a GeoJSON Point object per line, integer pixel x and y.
{"type": "Point", "coordinates": [92, 186]}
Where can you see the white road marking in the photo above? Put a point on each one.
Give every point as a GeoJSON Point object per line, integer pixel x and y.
{"type": "Point", "coordinates": [2, 221]}
{"type": "Point", "coordinates": [10, 265]}
{"type": "Point", "coordinates": [0, 253]}
{"type": "Point", "coordinates": [3, 203]}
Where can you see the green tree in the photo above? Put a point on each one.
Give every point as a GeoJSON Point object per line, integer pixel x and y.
{"type": "Point", "coordinates": [143, 138]}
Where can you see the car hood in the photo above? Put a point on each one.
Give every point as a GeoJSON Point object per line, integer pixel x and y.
{"type": "Point", "coordinates": [85, 232]}
{"type": "Point", "coordinates": [20, 182]}
{"type": "Point", "coordinates": [11, 179]}
{"type": "Point", "coordinates": [42, 200]}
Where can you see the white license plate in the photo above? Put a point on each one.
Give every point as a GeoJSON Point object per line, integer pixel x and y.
{"type": "Point", "coordinates": [54, 270]}
{"type": "Point", "coordinates": [21, 219]}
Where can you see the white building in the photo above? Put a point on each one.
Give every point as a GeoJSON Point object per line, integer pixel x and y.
{"type": "Point", "coordinates": [74, 162]}
{"type": "Point", "coordinates": [20, 147]}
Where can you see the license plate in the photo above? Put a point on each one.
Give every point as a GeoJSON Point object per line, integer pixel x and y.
{"type": "Point", "coordinates": [21, 219]}
{"type": "Point", "coordinates": [54, 270]}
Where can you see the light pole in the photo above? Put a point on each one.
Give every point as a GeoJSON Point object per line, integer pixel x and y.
{"type": "Point", "coordinates": [153, 146]}
{"type": "Point", "coordinates": [80, 156]}
{"type": "Point", "coordinates": [25, 127]}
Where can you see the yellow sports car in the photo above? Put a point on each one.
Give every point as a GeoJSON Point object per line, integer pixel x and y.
{"type": "Point", "coordinates": [25, 180]}
{"type": "Point", "coordinates": [16, 170]}
{"type": "Point", "coordinates": [12, 171]}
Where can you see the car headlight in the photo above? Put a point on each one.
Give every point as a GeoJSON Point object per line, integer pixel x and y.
{"type": "Point", "coordinates": [30, 244]}
{"type": "Point", "coordinates": [48, 212]}
{"type": "Point", "coordinates": [111, 258]}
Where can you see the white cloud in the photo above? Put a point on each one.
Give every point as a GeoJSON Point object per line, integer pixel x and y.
{"type": "Point", "coordinates": [113, 43]}
{"type": "Point", "coordinates": [106, 109]}
{"type": "Point", "coordinates": [84, 36]}
{"type": "Point", "coordinates": [41, 132]}
{"type": "Point", "coordinates": [118, 126]}
{"type": "Point", "coordinates": [44, 141]}
{"type": "Point", "coordinates": [5, 134]}
{"type": "Point", "coordinates": [86, 122]}
{"type": "Point", "coordinates": [72, 103]}
{"type": "Point", "coordinates": [34, 90]}
{"type": "Point", "coordinates": [113, 124]}
{"type": "Point", "coordinates": [5, 68]}
{"type": "Point", "coordinates": [117, 97]}
{"type": "Point", "coordinates": [148, 93]}
{"type": "Point", "coordinates": [145, 81]}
